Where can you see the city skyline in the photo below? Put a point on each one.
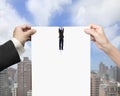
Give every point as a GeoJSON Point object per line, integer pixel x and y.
{"type": "Point", "coordinates": [102, 82]}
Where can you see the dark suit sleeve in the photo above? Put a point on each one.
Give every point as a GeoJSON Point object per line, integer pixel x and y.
{"type": "Point", "coordinates": [8, 55]}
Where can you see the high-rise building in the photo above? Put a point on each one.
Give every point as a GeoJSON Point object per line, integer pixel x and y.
{"type": "Point", "coordinates": [117, 74]}
{"type": "Point", "coordinates": [12, 77]}
{"type": "Point", "coordinates": [95, 81]}
{"type": "Point", "coordinates": [12, 74]}
{"type": "Point", "coordinates": [114, 73]}
{"type": "Point", "coordinates": [4, 84]}
{"type": "Point", "coordinates": [102, 69]}
{"type": "Point", "coordinates": [24, 77]}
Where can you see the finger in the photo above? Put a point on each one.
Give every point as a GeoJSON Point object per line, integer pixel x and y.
{"type": "Point", "coordinates": [25, 26]}
{"type": "Point", "coordinates": [30, 32]}
{"type": "Point", "coordinates": [90, 32]}
{"type": "Point", "coordinates": [93, 26]}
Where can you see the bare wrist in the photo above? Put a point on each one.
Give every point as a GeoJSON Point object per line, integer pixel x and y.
{"type": "Point", "coordinates": [107, 47]}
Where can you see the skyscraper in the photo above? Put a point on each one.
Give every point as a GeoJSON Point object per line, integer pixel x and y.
{"type": "Point", "coordinates": [24, 77]}
{"type": "Point", "coordinates": [114, 73]}
{"type": "Point", "coordinates": [102, 69]}
{"type": "Point", "coordinates": [12, 76]}
{"type": "Point", "coordinates": [95, 81]}
{"type": "Point", "coordinates": [4, 84]}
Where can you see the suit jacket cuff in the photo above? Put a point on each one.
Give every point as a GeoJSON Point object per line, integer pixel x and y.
{"type": "Point", "coordinates": [19, 47]}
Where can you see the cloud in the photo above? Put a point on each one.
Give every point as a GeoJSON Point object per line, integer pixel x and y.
{"type": "Point", "coordinates": [9, 18]}
{"type": "Point", "coordinates": [102, 12]}
{"type": "Point", "coordinates": [111, 31]}
{"type": "Point", "coordinates": [44, 10]}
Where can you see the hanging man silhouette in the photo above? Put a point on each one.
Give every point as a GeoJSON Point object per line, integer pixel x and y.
{"type": "Point", "coordinates": [61, 38]}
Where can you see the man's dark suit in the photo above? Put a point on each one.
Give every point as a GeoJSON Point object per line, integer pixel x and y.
{"type": "Point", "coordinates": [8, 55]}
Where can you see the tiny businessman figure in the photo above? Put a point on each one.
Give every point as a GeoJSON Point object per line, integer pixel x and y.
{"type": "Point", "coordinates": [61, 38]}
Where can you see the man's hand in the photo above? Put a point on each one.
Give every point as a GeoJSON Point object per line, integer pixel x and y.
{"type": "Point", "coordinates": [98, 37]}
{"type": "Point", "coordinates": [23, 33]}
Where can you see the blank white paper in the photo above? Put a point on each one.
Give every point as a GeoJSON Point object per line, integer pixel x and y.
{"type": "Point", "coordinates": [60, 73]}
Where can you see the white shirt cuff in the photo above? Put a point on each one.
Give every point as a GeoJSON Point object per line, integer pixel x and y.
{"type": "Point", "coordinates": [19, 47]}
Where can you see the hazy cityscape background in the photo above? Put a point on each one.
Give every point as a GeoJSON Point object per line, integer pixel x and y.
{"type": "Point", "coordinates": [18, 82]}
